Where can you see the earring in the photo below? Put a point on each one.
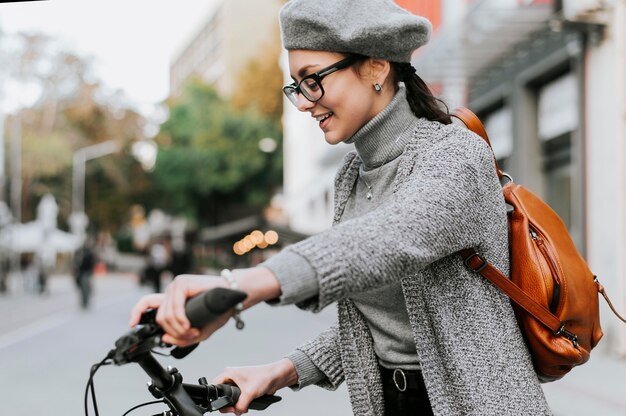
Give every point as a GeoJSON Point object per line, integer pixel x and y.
{"type": "Point", "coordinates": [377, 87]}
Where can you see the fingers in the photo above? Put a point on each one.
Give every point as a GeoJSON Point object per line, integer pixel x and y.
{"type": "Point", "coordinates": [192, 337]}
{"type": "Point", "coordinates": [252, 381]}
{"type": "Point", "coordinates": [231, 376]}
{"type": "Point", "coordinates": [146, 302]}
{"type": "Point", "coordinates": [171, 315]}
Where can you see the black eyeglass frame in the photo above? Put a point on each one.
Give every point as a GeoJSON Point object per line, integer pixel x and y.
{"type": "Point", "coordinates": [291, 89]}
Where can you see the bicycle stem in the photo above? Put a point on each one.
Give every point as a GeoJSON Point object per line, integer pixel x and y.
{"type": "Point", "coordinates": [168, 384]}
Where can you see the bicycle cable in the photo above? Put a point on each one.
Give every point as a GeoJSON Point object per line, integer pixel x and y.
{"type": "Point", "coordinates": [90, 384]}
{"type": "Point", "coordinates": [144, 404]}
{"type": "Point", "coordinates": [160, 353]}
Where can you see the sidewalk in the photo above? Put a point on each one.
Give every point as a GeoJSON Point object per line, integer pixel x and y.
{"type": "Point", "coordinates": [596, 388]}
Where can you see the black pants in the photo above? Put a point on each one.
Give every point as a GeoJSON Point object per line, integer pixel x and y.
{"type": "Point", "coordinates": [412, 401]}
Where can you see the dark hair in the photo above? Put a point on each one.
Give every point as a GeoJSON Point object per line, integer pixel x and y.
{"type": "Point", "coordinates": [421, 100]}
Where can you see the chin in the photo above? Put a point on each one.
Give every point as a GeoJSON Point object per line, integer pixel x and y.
{"type": "Point", "coordinates": [333, 139]}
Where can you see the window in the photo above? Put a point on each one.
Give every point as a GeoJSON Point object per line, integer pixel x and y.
{"type": "Point", "coordinates": [557, 169]}
{"type": "Point", "coordinates": [499, 126]}
{"type": "Point", "coordinates": [557, 119]}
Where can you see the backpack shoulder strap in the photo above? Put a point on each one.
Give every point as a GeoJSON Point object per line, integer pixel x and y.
{"type": "Point", "coordinates": [472, 122]}
{"type": "Point", "coordinates": [479, 265]}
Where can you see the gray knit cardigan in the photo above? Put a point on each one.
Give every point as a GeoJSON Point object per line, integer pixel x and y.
{"type": "Point", "coordinates": [446, 197]}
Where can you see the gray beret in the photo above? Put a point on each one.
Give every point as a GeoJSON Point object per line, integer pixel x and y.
{"type": "Point", "coordinates": [374, 28]}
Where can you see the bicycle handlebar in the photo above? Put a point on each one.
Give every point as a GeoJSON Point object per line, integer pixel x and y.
{"type": "Point", "coordinates": [200, 310]}
{"type": "Point", "coordinates": [212, 304]}
{"type": "Point", "coordinates": [182, 398]}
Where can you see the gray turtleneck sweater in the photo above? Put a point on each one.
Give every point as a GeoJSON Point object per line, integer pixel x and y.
{"type": "Point", "coordinates": [444, 196]}
{"type": "Point", "coordinates": [378, 144]}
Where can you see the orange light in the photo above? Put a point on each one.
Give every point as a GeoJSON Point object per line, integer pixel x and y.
{"type": "Point", "coordinates": [245, 245]}
{"type": "Point", "coordinates": [237, 249]}
{"type": "Point", "coordinates": [256, 237]}
{"type": "Point", "coordinates": [271, 237]}
{"type": "Point", "coordinates": [262, 244]}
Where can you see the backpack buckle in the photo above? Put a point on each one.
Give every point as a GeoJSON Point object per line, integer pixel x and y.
{"type": "Point", "coordinates": [567, 334]}
{"type": "Point", "coordinates": [479, 268]}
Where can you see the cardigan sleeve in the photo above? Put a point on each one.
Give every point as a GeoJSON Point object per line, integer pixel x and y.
{"type": "Point", "coordinates": [295, 275]}
{"type": "Point", "coordinates": [444, 205]}
{"type": "Point", "coordinates": [318, 361]}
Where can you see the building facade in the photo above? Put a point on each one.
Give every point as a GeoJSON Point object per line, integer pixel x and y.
{"type": "Point", "coordinates": [547, 78]}
{"type": "Point", "coordinates": [232, 34]}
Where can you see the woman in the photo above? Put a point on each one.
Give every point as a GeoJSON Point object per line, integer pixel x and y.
{"type": "Point", "coordinates": [417, 332]}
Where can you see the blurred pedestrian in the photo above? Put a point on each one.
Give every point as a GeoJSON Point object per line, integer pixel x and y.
{"type": "Point", "coordinates": [45, 259]}
{"type": "Point", "coordinates": [181, 259]}
{"type": "Point", "coordinates": [417, 331]}
{"type": "Point", "coordinates": [84, 263]}
{"type": "Point", "coordinates": [157, 262]}
{"type": "Point", "coordinates": [4, 272]}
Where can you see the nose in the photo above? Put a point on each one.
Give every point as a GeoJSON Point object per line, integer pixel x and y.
{"type": "Point", "coordinates": [302, 104]}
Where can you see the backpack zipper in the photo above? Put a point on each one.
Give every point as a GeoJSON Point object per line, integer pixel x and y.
{"type": "Point", "coordinates": [545, 251]}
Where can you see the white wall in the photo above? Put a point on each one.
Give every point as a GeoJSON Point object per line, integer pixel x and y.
{"type": "Point", "coordinates": [605, 112]}
{"type": "Point", "coordinates": [306, 179]}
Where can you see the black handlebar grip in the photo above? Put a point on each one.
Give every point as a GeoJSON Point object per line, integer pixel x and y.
{"type": "Point", "coordinates": [210, 305]}
{"type": "Point", "coordinates": [260, 403]}
{"type": "Point", "coordinates": [229, 390]}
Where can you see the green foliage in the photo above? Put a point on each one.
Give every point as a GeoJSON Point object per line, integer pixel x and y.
{"type": "Point", "coordinates": [209, 166]}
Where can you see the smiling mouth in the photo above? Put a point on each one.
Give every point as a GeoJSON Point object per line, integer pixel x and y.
{"type": "Point", "coordinates": [323, 117]}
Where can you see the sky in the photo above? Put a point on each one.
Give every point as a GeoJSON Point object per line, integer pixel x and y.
{"type": "Point", "coordinates": [131, 42]}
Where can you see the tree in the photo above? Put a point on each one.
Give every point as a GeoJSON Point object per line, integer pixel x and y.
{"type": "Point", "coordinates": [209, 166]}
{"type": "Point", "coordinates": [71, 110]}
{"type": "Point", "coordinates": [259, 84]}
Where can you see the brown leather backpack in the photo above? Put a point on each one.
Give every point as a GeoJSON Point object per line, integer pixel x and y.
{"type": "Point", "coordinates": [554, 294]}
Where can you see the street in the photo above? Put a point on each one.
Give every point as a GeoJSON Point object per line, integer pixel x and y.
{"type": "Point", "coordinates": [46, 354]}
{"type": "Point", "coordinates": [47, 345]}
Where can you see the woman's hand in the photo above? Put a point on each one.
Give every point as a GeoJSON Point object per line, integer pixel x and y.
{"type": "Point", "coordinates": [257, 381]}
{"type": "Point", "coordinates": [171, 314]}
{"type": "Point", "coordinates": [258, 283]}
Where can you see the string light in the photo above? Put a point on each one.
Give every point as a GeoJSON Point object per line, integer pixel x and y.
{"type": "Point", "coordinates": [255, 239]}
{"type": "Point", "coordinates": [271, 237]}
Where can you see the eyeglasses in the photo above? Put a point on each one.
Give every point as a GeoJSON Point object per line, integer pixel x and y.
{"type": "Point", "coordinates": [311, 85]}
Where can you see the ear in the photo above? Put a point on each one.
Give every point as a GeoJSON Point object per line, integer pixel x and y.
{"type": "Point", "coordinates": [377, 70]}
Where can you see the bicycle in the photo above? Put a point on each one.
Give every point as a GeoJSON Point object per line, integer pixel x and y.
{"type": "Point", "coordinates": [166, 385]}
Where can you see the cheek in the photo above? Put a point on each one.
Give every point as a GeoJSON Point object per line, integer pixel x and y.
{"type": "Point", "coordinates": [352, 104]}
{"type": "Point", "coordinates": [358, 107]}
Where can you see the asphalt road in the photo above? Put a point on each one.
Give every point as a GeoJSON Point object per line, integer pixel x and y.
{"type": "Point", "coordinates": [47, 345]}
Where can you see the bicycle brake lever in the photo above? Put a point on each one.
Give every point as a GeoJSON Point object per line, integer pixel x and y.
{"type": "Point", "coordinates": [182, 352]}
{"type": "Point", "coordinates": [263, 402]}
{"type": "Point", "coordinates": [135, 343]}
{"type": "Point", "coordinates": [220, 402]}
{"type": "Point", "coordinates": [148, 317]}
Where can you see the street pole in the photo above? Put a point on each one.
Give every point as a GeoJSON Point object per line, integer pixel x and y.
{"type": "Point", "coordinates": [16, 180]}
{"type": "Point", "coordinates": [16, 168]}
{"type": "Point", "coordinates": [2, 179]}
{"type": "Point", "coordinates": [78, 217]}
{"type": "Point", "coordinates": [81, 156]}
